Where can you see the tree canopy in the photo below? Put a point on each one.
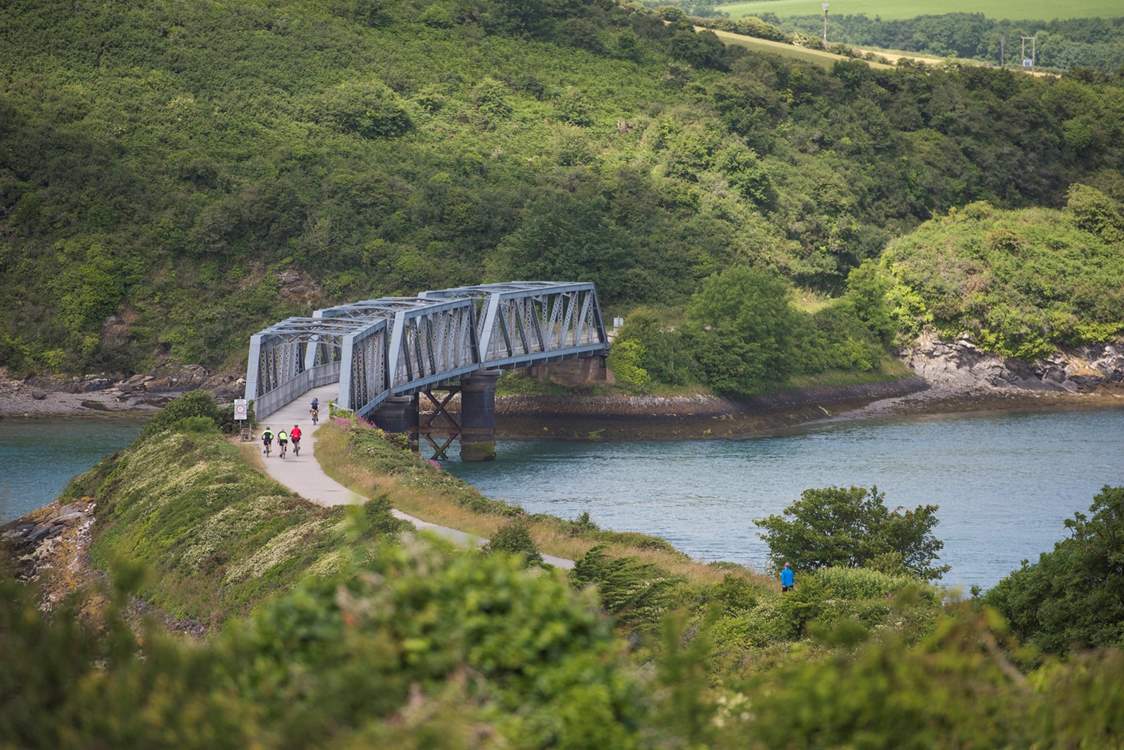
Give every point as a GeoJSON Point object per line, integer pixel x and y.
{"type": "Point", "coordinates": [1073, 597]}
{"type": "Point", "coordinates": [852, 527]}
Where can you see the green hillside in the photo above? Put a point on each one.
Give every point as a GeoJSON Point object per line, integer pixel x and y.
{"type": "Point", "coordinates": [175, 175]}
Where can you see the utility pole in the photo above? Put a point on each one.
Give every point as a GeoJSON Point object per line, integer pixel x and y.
{"type": "Point", "coordinates": [1002, 51]}
{"type": "Point", "coordinates": [1028, 62]}
{"type": "Point", "coordinates": [824, 6]}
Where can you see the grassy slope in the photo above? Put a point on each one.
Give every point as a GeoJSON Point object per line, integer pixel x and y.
{"type": "Point", "coordinates": [891, 9]}
{"type": "Point", "coordinates": [371, 466]}
{"type": "Point", "coordinates": [215, 534]}
{"type": "Point", "coordinates": [814, 56]}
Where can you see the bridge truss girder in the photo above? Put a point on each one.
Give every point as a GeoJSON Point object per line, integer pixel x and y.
{"type": "Point", "coordinates": [394, 346]}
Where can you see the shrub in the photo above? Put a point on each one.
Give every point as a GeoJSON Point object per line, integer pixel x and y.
{"type": "Point", "coordinates": [636, 593]}
{"type": "Point", "coordinates": [574, 108]}
{"type": "Point", "coordinates": [1071, 596]}
{"type": "Point", "coordinates": [742, 329]}
{"type": "Point", "coordinates": [367, 108]}
{"type": "Point", "coordinates": [193, 404]}
{"type": "Point", "coordinates": [515, 539]}
{"type": "Point", "coordinates": [624, 360]}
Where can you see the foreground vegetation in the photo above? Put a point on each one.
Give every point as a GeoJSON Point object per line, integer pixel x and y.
{"type": "Point", "coordinates": [355, 636]}
{"type": "Point", "coordinates": [176, 175]}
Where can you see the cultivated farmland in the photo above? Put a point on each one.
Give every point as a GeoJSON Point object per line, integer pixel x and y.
{"type": "Point", "coordinates": [891, 9]}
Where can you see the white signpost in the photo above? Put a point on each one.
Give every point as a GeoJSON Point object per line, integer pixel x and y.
{"type": "Point", "coordinates": [241, 414]}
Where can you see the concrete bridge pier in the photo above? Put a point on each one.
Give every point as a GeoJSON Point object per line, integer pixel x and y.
{"type": "Point", "coordinates": [478, 416]}
{"type": "Point", "coordinates": [398, 414]}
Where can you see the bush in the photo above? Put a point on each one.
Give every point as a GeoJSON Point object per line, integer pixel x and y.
{"type": "Point", "coordinates": [195, 424]}
{"type": "Point", "coordinates": [624, 360]}
{"type": "Point", "coordinates": [515, 539]}
{"type": "Point", "coordinates": [742, 329]}
{"type": "Point", "coordinates": [664, 352]}
{"type": "Point", "coordinates": [849, 527]}
{"type": "Point", "coordinates": [1071, 598]}
{"type": "Point", "coordinates": [193, 404]}
{"type": "Point", "coordinates": [635, 593]}
{"type": "Point", "coordinates": [367, 108]}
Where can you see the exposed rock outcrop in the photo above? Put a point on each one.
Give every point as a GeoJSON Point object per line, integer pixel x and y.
{"type": "Point", "coordinates": [963, 366]}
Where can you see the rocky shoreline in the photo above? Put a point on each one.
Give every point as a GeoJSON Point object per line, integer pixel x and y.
{"type": "Point", "coordinates": [949, 376]}
{"type": "Point", "coordinates": [100, 394]}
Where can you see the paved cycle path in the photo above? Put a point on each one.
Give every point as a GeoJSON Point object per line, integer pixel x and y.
{"type": "Point", "coordinates": [304, 475]}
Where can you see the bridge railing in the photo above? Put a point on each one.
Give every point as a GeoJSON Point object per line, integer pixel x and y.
{"type": "Point", "coordinates": [288, 359]}
{"type": "Point", "coordinates": [409, 344]}
{"type": "Point", "coordinates": [523, 322]}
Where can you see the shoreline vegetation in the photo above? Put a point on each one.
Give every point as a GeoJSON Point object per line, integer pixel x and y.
{"type": "Point", "coordinates": [302, 615]}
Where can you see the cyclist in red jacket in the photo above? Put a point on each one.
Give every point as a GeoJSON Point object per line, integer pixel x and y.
{"type": "Point", "coordinates": [295, 436]}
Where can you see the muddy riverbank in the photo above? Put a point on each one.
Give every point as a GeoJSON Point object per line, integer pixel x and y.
{"type": "Point", "coordinates": [624, 418]}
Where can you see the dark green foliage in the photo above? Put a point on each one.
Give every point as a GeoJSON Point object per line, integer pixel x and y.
{"type": "Point", "coordinates": [664, 354]}
{"type": "Point", "coordinates": [742, 329]}
{"type": "Point", "coordinates": [852, 527]}
{"type": "Point", "coordinates": [637, 594]}
{"type": "Point", "coordinates": [1073, 597]}
{"type": "Point", "coordinates": [71, 683]}
{"type": "Point", "coordinates": [335, 655]}
{"type": "Point", "coordinates": [867, 291]}
{"type": "Point", "coordinates": [515, 539]}
{"type": "Point", "coordinates": [191, 405]}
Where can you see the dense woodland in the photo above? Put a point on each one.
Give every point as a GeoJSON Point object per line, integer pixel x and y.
{"type": "Point", "coordinates": [174, 176]}
{"type": "Point", "coordinates": [327, 629]}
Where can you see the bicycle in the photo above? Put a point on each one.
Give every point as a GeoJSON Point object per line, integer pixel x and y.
{"type": "Point", "coordinates": [315, 414]}
{"type": "Point", "coordinates": [266, 451]}
{"type": "Point", "coordinates": [284, 445]}
{"type": "Point", "coordinates": [296, 447]}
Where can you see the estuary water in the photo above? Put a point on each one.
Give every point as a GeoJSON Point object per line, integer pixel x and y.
{"type": "Point", "coordinates": [39, 456]}
{"type": "Point", "coordinates": [1004, 482]}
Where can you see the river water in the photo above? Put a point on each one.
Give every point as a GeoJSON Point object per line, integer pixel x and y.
{"type": "Point", "coordinates": [39, 456]}
{"type": "Point", "coordinates": [1004, 482]}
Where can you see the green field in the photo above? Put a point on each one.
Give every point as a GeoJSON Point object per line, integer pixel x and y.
{"type": "Point", "coordinates": [815, 56]}
{"type": "Point", "coordinates": [891, 9]}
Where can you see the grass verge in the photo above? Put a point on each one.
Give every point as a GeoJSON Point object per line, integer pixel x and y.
{"type": "Point", "coordinates": [213, 534]}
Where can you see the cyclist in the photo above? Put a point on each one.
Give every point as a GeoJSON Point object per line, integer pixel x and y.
{"type": "Point", "coordinates": [282, 441]}
{"type": "Point", "coordinates": [295, 436]}
{"type": "Point", "coordinates": [314, 410]}
{"type": "Point", "coordinates": [267, 439]}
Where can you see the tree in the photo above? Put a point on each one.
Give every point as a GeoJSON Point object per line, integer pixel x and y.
{"type": "Point", "coordinates": [743, 328]}
{"type": "Point", "coordinates": [1074, 595]}
{"type": "Point", "coordinates": [852, 527]}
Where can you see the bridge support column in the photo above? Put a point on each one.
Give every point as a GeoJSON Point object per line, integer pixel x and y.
{"type": "Point", "coordinates": [478, 416]}
{"type": "Point", "coordinates": [397, 414]}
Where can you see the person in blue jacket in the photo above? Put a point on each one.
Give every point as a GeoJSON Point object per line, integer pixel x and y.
{"type": "Point", "coordinates": [788, 578]}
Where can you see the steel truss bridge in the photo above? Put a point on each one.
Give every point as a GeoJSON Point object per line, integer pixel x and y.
{"type": "Point", "coordinates": [398, 346]}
